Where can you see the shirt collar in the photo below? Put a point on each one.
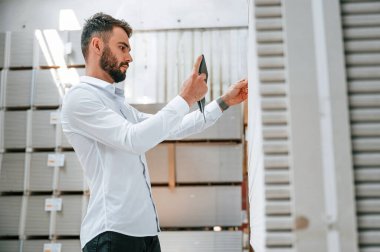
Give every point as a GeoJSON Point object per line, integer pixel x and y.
{"type": "Point", "coordinates": [109, 87]}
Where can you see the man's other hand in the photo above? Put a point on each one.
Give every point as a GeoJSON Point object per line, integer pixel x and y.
{"type": "Point", "coordinates": [236, 93]}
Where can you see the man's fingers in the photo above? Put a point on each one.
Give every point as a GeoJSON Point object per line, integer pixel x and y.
{"type": "Point", "coordinates": [197, 64]}
{"type": "Point", "coordinates": [202, 76]}
{"type": "Point", "coordinates": [241, 84]}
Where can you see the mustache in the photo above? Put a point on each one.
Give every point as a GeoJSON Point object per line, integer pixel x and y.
{"type": "Point", "coordinates": [124, 64]}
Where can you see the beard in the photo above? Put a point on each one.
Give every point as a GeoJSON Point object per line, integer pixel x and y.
{"type": "Point", "coordinates": [109, 64]}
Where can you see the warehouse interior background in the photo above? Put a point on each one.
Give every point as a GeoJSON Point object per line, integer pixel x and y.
{"type": "Point", "coordinates": [296, 168]}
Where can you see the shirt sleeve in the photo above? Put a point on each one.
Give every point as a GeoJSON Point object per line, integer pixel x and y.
{"type": "Point", "coordinates": [191, 123]}
{"type": "Point", "coordinates": [84, 113]}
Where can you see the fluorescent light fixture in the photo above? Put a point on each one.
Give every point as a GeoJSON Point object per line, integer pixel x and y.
{"type": "Point", "coordinates": [68, 21]}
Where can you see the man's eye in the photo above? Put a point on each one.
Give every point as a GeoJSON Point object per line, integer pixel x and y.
{"type": "Point", "coordinates": [122, 48]}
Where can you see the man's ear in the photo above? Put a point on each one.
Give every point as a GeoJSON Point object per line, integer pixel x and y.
{"type": "Point", "coordinates": [97, 45]}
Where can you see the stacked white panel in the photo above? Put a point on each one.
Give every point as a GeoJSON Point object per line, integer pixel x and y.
{"type": "Point", "coordinates": [40, 175]}
{"type": "Point", "coordinates": [21, 49]}
{"type": "Point", "coordinates": [18, 88]}
{"type": "Point", "coordinates": [10, 212]}
{"type": "Point", "coordinates": [15, 123]}
{"type": "Point", "coordinates": [206, 162]}
{"type": "Point", "coordinates": [70, 177]}
{"type": "Point", "coordinates": [361, 27]}
{"type": "Point", "coordinates": [158, 160]}
{"type": "Point", "coordinates": [75, 57]}
{"type": "Point", "coordinates": [9, 246]}
{"type": "Point", "coordinates": [38, 245]}
{"type": "Point", "coordinates": [69, 219]}
{"type": "Point", "coordinates": [47, 88]}
{"type": "Point", "coordinates": [70, 245]}
{"type": "Point", "coordinates": [201, 241]}
{"type": "Point", "coordinates": [199, 206]}
{"type": "Point", "coordinates": [228, 127]}
{"type": "Point", "coordinates": [37, 220]}
{"type": "Point", "coordinates": [2, 49]}
{"type": "Point", "coordinates": [12, 168]}
{"type": "Point", "coordinates": [51, 48]}
{"type": "Point", "coordinates": [43, 132]}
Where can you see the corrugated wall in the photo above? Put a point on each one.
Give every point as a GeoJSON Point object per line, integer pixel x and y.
{"type": "Point", "coordinates": [361, 27]}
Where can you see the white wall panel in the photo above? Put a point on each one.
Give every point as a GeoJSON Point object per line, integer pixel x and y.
{"type": "Point", "coordinates": [12, 169]}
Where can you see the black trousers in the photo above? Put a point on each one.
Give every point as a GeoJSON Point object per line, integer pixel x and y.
{"type": "Point", "coordinates": [115, 242]}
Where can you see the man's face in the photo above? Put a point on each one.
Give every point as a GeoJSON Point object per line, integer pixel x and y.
{"type": "Point", "coordinates": [116, 56]}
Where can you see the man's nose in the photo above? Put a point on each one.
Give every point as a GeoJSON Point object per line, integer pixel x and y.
{"type": "Point", "coordinates": [129, 58]}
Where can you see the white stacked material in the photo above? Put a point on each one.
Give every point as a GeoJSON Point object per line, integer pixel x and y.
{"type": "Point", "coordinates": [209, 162]}
{"type": "Point", "coordinates": [12, 167]}
{"type": "Point", "coordinates": [40, 176]}
{"type": "Point", "coordinates": [51, 47]}
{"type": "Point", "coordinates": [69, 219]}
{"type": "Point", "coordinates": [43, 132]}
{"type": "Point", "coordinates": [10, 212]}
{"type": "Point", "coordinates": [70, 245]}
{"type": "Point", "coordinates": [21, 49]}
{"type": "Point", "coordinates": [76, 56]}
{"type": "Point", "coordinates": [2, 87]}
{"type": "Point", "coordinates": [47, 88]}
{"type": "Point", "coordinates": [201, 241]}
{"type": "Point", "coordinates": [15, 129]}
{"type": "Point", "coordinates": [2, 49]}
{"type": "Point", "coordinates": [37, 220]}
{"type": "Point", "coordinates": [38, 245]}
{"type": "Point", "coordinates": [70, 176]}
{"type": "Point", "coordinates": [199, 206]}
{"type": "Point", "coordinates": [10, 245]}
{"type": "Point", "coordinates": [64, 142]}
{"type": "Point", "coordinates": [18, 88]}
{"type": "Point", "coordinates": [33, 245]}
{"type": "Point", "coordinates": [228, 127]}
{"type": "Point", "coordinates": [158, 162]}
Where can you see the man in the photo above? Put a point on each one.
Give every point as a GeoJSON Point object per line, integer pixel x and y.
{"type": "Point", "coordinates": [110, 138]}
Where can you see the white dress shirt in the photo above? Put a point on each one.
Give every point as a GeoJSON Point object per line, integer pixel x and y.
{"type": "Point", "coordinates": [110, 138]}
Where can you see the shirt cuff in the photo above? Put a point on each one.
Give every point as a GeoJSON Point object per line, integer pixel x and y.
{"type": "Point", "coordinates": [214, 109]}
{"type": "Point", "coordinates": [180, 105]}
